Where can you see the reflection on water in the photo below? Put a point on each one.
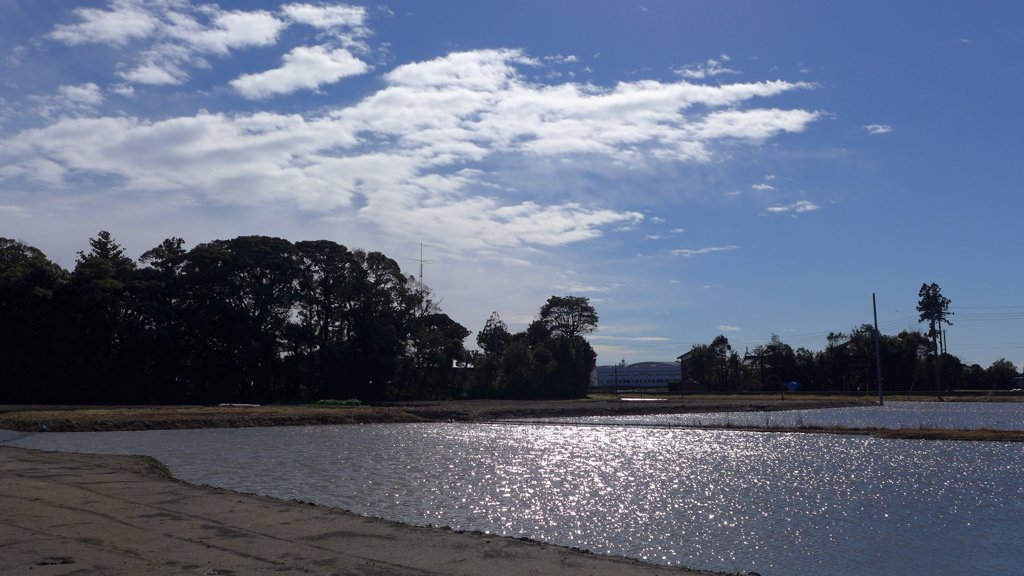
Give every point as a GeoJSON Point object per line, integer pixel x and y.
{"type": "Point", "coordinates": [782, 504]}
{"type": "Point", "coordinates": [954, 415]}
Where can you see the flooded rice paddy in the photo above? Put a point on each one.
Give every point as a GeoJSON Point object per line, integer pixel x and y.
{"type": "Point", "coordinates": [775, 503]}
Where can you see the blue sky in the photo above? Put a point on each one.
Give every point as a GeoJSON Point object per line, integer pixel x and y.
{"type": "Point", "coordinates": [695, 168]}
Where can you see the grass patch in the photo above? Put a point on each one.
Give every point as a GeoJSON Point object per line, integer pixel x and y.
{"type": "Point", "coordinates": [154, 466]}
{"type": "Point", "coordinates": [922, 433]}
{"type": "Point", "coordinates": [349, 402]}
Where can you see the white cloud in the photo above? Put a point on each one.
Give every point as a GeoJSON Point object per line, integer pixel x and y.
{"type": "Point", "coordinates": [226, 30]}
{"type": "Point", "coordinates": [15, 211]}
{"type": "Point", "coordinates": [490, 70]}
{"type": "Point", "coordinates": [175, 35]}
{"type": "Point", "coordinates": [80, 100]}
{"type": "Point", "coordinates": [126, 90]}
{"type": "Point", "coordinates": [801, 206]}
{"type": "Point", "coordinates": [336, 16]}
{"type": "Point", "coordinates": [763, 187]}
{"type": "Point", "coordinates": [559, 59]}
{"type": "Point", "coordinates": [728, 328]}
{"type": "Point", "coordinates": [126, 20]}
{"type": "Point", "coordinates": [574, 287]}
{"type": "Point", "coordinates": [88, 94]}
{"type": "Point", "coordinates": [484, 88]}
{"type": "Point", "coordinates": [878, 128]}
{"type": "Point", "coordinates": [690, 253]}
{"type": "Point", "coordinates": [155, 74]}
{"type": "Point", "coordinates": [757, 124]}
{"type": "Point", "coordinates": [415, 155]}
{"type": "Point", "coordinates": [304, 68]}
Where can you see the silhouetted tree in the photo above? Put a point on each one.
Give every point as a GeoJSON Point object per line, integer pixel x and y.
{"type": "Point", "coordinates": [1001, 374]}
{"type": "Point", "coordinates": [569, 316]}
{"type": "Point", "coordinates": [99, 340]}
{"type": "Point", "coordinates": [934, 309]}
{"type": "Point", "coordinates": [29, 324]}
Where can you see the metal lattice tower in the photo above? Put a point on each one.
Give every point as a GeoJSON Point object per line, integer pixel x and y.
{"type": "Point", "coordinates": [421, 261]}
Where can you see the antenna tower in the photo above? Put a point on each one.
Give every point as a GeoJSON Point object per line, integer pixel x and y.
{"type": "Point", "coordinates": [421, 260]}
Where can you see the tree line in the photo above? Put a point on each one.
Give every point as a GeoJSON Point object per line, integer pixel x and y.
{"type": "Point", "coordinates": [911, 361]}
{"type": "Point", "coordinates": [260, 319]}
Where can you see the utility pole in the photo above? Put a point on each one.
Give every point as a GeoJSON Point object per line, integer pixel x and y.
{"type": "Point", "coordinates": [878, 353]}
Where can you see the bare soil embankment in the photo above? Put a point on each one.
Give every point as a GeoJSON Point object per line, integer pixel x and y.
{"type": "Point", "coordinates": [103, 419]}
{"type": "Point", "coordinates": [488, 410]}
{"type": "Point", "coordinates": [120, 515]}
{"type": "Point", "coordinates": [97, 419]}
{"type": "Point", "coordinates": [82, 419]}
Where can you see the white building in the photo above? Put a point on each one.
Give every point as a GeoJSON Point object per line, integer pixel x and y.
{"type": "Point", "coordinates": [638, 375]}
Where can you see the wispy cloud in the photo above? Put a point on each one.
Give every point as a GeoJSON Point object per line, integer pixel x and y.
{"type": "Point", "coordinates": [13, 211]}
{"type": "Point", "coordinates": [171, 37]}
{"type": "Point", "coordinates": [878, 128]}
{"type": "Point", "coordinates": [86, 94]}
{"type": "Point", "coordinates": [763, 186]}
{"type": "Point", "coordinates": [413, 155]}
{"type": "Point", "coordinates": [125, 21]}
{"type": "Point", "coordinates": [724, 328]}
{"type": "Point", "coordinates": [688, 253]}
{"type": "Point", "coordinates": [559, 59]}
{"type": "Point", "coordinates": [710, 68]}
{"type": "Point", "coordinates": [801, 206]}
{"type": "Point", "coordinates": [80, 100]}
{"type": "Point", "coordinates": [174, 36]}
{"type": "Point", "coordinates": [630, 339]}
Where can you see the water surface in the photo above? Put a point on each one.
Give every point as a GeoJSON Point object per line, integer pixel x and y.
{"type": "Point", "coordinates": [779, 504]}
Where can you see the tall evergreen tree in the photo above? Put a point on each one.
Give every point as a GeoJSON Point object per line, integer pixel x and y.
{"type": "Point", "coordinates": [934, 309]}
{"type": "Point", "coordinates": [28, 324]}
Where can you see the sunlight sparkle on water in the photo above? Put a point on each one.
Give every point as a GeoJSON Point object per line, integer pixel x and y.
{"type": "Point", "coordinates": [782, 504]}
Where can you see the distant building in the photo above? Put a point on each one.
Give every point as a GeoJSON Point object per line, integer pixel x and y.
{"type": "Point", "coordinates": [638, 375]}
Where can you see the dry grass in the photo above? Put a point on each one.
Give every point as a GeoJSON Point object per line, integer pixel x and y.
{"type": "Point", "coordinates": [976, 435]}
{"type": "Point", "coordinates": [980, 434]}
{"type": "Point", "coordinates": [176, 418]}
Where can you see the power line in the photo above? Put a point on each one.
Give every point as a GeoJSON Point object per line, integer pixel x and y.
{"type": "Point", "coordinates": [1013, 307]}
